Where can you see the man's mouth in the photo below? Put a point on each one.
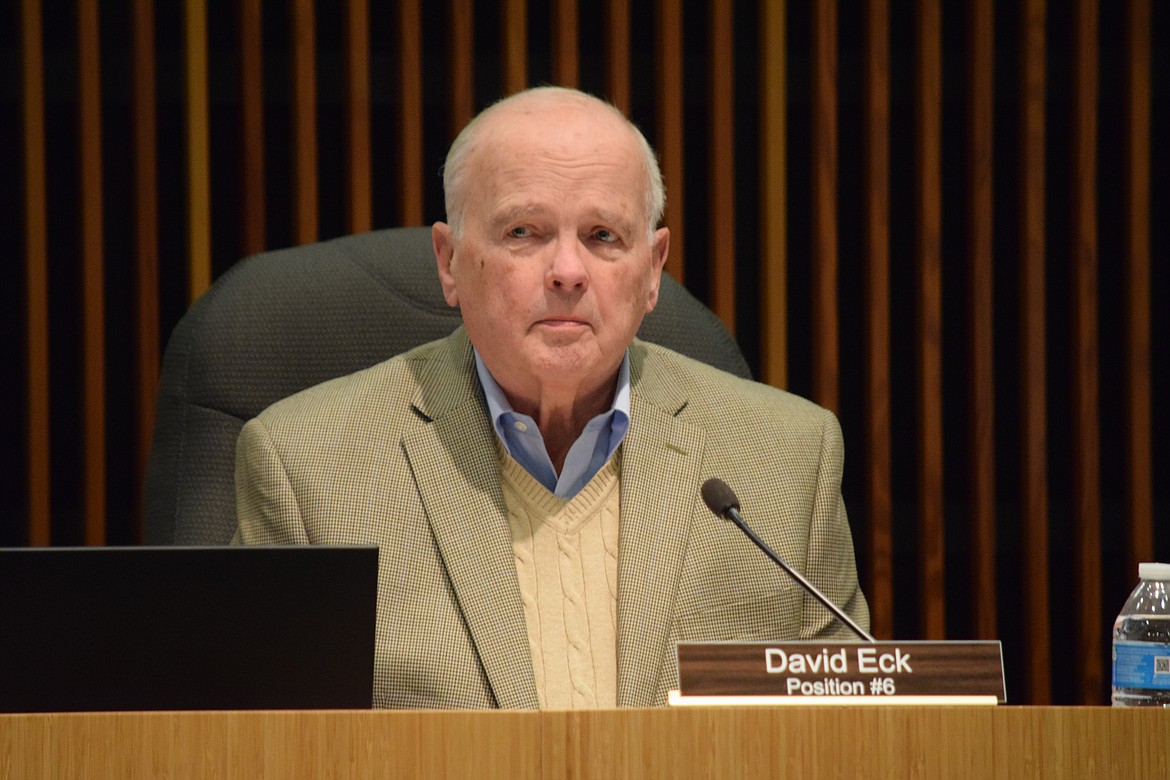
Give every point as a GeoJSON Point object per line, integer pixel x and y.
{"type": "Point", "coordinates": [562, 322]}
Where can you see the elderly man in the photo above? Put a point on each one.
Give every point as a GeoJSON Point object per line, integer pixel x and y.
{"type": "Point", "coordinates": [533, 479]}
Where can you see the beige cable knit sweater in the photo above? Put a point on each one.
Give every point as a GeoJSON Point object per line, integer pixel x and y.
{"type": "Point", "coordinates": [566, 561]}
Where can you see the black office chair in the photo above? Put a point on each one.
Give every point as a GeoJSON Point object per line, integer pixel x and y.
{"type": "Point", "coordinates": [289, 319]}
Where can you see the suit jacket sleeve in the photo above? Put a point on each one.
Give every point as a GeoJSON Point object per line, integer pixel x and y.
{"type": "Point", "coordinates": [265, 503]}
{"type": "Point", "coordinates": [830, 563]}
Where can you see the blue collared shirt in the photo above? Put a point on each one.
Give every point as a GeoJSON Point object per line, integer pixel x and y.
{"type": "Point", "coordinates": [591, 451]}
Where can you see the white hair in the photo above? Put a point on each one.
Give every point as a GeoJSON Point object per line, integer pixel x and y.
{"type": "Point", "coordinates": [455, 167]}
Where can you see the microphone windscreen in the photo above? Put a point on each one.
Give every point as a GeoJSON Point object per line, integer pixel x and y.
{"type": "Point", "coordinates": [718, 497]}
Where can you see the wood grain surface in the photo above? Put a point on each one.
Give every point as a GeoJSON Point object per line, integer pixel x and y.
{"type": "Point", "coordinates": [1009, 742]}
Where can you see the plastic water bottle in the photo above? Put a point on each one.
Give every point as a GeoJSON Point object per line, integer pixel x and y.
{"type": "Point", "coordinates": [1141, 642]}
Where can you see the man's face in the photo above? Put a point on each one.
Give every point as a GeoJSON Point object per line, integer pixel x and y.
{"type": "Point", "coordinates": [554, 270]}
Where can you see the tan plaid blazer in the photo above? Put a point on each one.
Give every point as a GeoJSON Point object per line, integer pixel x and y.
{"type": "Point", "coordinates": [402, 455]}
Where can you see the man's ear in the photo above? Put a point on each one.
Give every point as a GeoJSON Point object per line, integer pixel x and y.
{"type": "Point", "coordinates": [443, 242]}
{"type": "Point", "coordinates": [658, 251]}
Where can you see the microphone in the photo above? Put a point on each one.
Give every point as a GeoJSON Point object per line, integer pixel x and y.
{"type": "Point", "coordinates": [721, 500]}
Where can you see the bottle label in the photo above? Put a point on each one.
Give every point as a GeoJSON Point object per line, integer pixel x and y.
{"type": "Point", "coordinates": [1141, 665]}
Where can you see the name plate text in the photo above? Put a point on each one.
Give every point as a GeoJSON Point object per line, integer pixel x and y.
{"type": "Point", "coordinates": [860, 672]}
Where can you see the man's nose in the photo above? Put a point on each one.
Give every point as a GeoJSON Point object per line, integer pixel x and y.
{"type": "Point", "coordinates": [567, 267]}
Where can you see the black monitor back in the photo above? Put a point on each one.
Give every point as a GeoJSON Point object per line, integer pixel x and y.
{"type": "Point", "coordinates": [181, 628]}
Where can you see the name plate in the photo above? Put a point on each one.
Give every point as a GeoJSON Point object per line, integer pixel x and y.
{"type": "Point", "coordinates": [840, 673]}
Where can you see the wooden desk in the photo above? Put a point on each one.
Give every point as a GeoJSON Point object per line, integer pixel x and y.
{"type": "Point", "coordinates": [1025, 742]}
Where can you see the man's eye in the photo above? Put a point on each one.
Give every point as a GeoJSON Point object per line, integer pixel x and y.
{"type": "Point", "coordinates": [518, 232]}
{"type": "Point", "coordinates": [608, 236]}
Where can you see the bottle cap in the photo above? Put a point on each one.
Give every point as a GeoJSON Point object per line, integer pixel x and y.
{"type": "Point", "coordinates": [1154, 571]}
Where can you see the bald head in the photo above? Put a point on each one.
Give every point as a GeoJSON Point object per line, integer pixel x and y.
{"type": "Point", "coordinates": [533, 107]}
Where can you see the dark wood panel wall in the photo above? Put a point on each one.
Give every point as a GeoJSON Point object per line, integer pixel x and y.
{"type": "Point", "coordinates": [1032, 353]}
{"type": "Point", "coordinates": [938, 220]}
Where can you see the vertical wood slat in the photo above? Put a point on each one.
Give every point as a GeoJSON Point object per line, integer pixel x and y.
{"type": "Point", "coordinates": [721, 165]}
{"type": "Point", "coordinates": [773, 197]}
{"type": "Point", "coordinates": [617, 54]}
{"type": "Point", "coordinates": [981, 282]}
{"type": "Point", "coordinates": [878, 486]}
{"type": "Point", "coordinates": [198, 149]}
{"type": "Point", "coordinates": [145, 234]}
{"type": "Point", "coordinates": [1032, 357]}
{"type": "Point", "coordinates": [564, 43]}
{"type": "Point", "coordinates": [36, 269]}
{"type": "Point", "coordinates": [304, 122]}
{"type": "Point", "coordinates": [410, 183]}
{"type": "Point", "coordinates": [1139, 510]}
{"type": "Point", "coordinates": [92, 275]}
{"type": "Point", "coordinates": [253, 228]}
{"type": "Point", "coordinates": [462, 15]}
{"type": "Point", "coordinates": [1084, 364]}
{"type": "Point", "coordinates": [515, 46]}
{"type": "Point", "coordinates": [928, 196]}
{"type": "Point", "coordinates": [669, 112]}
{"type": "Point", "coordinates": [358, 186]}
{"type": "Point", "coordinates": [823, 203]}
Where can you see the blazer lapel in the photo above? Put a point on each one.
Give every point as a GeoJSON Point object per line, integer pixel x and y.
{"type": "Point", "coordinates": [468, 519]}
{"type": "Point", "coordinates": [661, 459]}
